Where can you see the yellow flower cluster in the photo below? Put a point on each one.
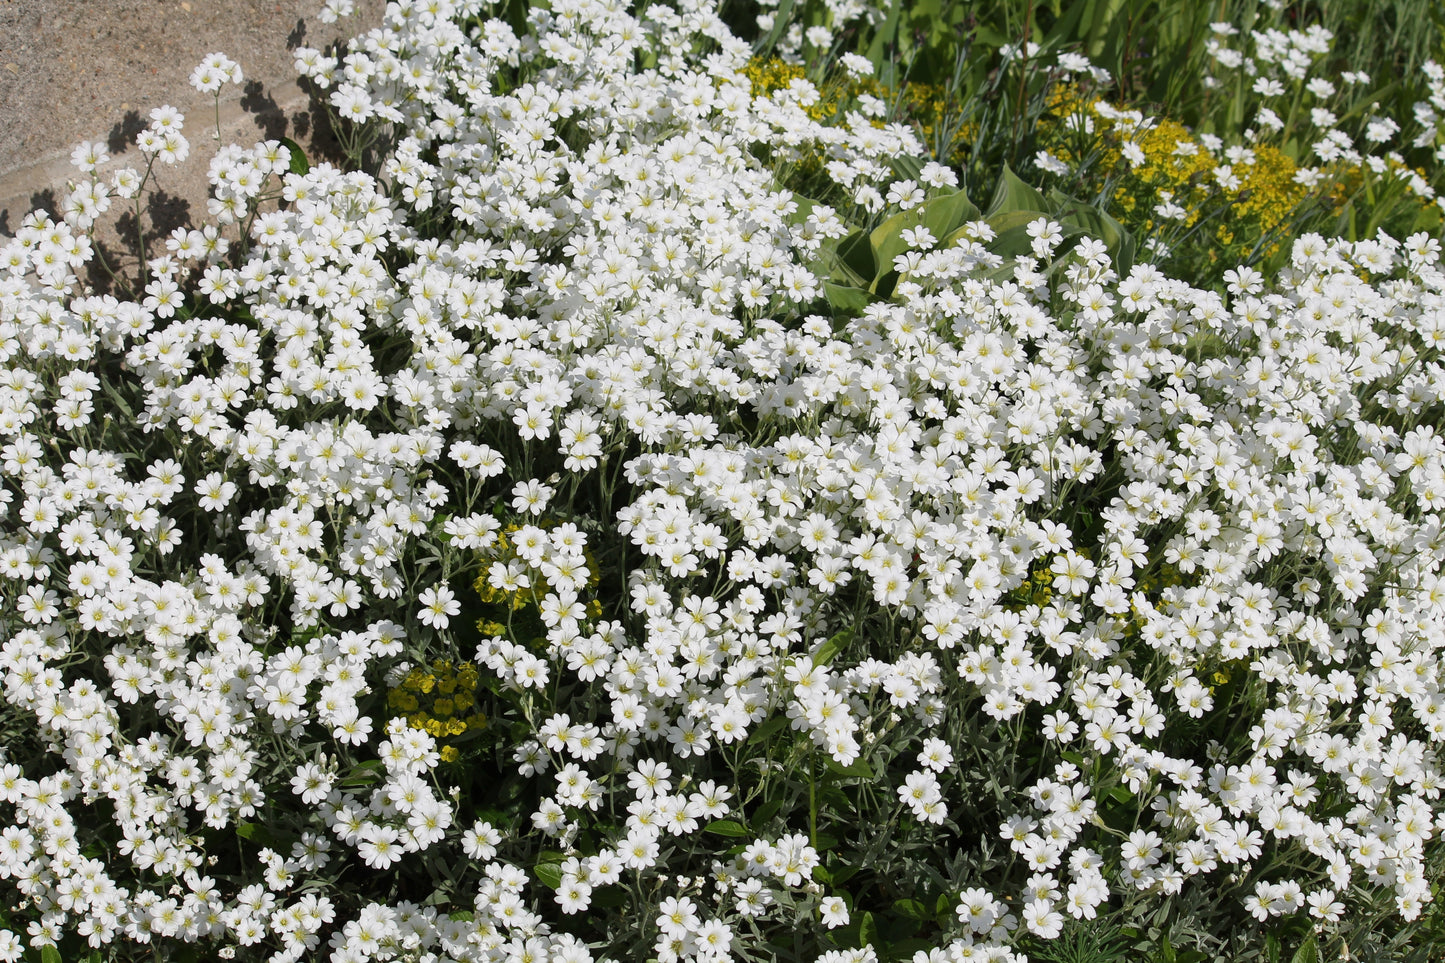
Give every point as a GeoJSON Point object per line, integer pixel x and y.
{"type": "Point", "coordinates": [926, 106]}
{"type": "Point", "coordinates": [1037, 589]}
{"type": "Point", "coordinates": [769, 74]}
{"type": "Point", "coordinates": [440, 700]}
{"type": "Point", "coordinates": [518, 600]}
{"type": "Point", "coordinates": [1166, 167]}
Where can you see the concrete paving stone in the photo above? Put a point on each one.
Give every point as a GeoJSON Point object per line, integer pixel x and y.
{"type": "Point", "coordinates": [78, 70]}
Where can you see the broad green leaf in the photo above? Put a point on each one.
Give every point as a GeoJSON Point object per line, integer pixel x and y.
{"type": "Point", "coordinates": [769, 726]}
{"type": "Point", "coordinates": [766, 812]}
{"type": "Point", "coordinates": [549, 874]}
{"type": "Point", "coordinates": [727, 827]}
{"type": "Point", "coordinates": [907, 166]}
{"type": "Point", "coordinates": [913, 909]}
{"type": "Point", "coordinates": [49, 954]}
{"type": "Point", "coordinates": [1075, 213]}
{"type": "Point", "coordinates": [805, 207]}
{"type": "Point", "coordinates": [947, 214]}
{"type": "Point", "coordinates": [829, 650]}
{"type": "Point", "coordinates": [1011, 233]}
{"type": "Point", "coordinates": [1012, 194]}
{"type": "Point", "coordinates": [299, 163]}
{"type": "Point", "coordinates": [1008, 220]}
{"type": "Point", "coordinates": [855, 254]}
{"type": "Point", "coordinates": [884, 284]}
{"type": "Point", "coordinates": [846, 297]}
{"type": "Point", "coordinates": [942, 216]}
{"type": "Point", "coordinates": [988, 37]}
{"type": "Point", "coordinates": [887, 238]}
{"type": "Point", "coordinates": [868, 932]}
{"type": "Point", "coordinates": [1309, 951]}
{"type": "Point", "coordinates": [858, 767]}
{"type": "Point", "coordinates": [1065, 27]}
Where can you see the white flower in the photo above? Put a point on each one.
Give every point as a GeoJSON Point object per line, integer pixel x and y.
{"type": "Point", "coordinates": [213, 71]}
{"type": "Point", "coordinates": [439, 604]}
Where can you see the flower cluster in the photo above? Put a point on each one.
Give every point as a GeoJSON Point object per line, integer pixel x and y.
{"type": "Point", "coordinates": [1229, 201]}
{"type": "Point", "coordinates": [440, 701]}
{"type": "Point", "coordinates": [1022, 503]}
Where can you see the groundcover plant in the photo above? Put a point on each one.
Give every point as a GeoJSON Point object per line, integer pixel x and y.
{"type": "Point", "coordinates": [563, 543]}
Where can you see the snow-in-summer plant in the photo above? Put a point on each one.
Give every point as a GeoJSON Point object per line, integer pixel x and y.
{"type": "Point", "coordinates": [1029, 597]}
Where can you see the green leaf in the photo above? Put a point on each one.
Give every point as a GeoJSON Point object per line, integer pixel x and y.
{"type": "Point", "coordinates": [859, 768]}
{"type": "Point", "coordinates": [1095, 223]}
{"type": "Point", "coordinates": [727, 827]}
{"type": "Point", "coordinates": [49, 954]}
{"type": "Point", "coordinates": [117, 400]}
{"type": "Point", "coordinates": [780, 24]}
{"type": "Point", "coordinates": [903, 950]}
{"type": "Point", "coordinates": [299, 163]}
{"type": "Point", "coordinates": [1011, 228]}
{"type": "Point", "coordinates": [884, 38]}
{"type": "Point", "coordinates": [765, 813]}
{"type": "Point", "coordinates": [855, 254]}
{"type": "Point", "coordinates": [913, 909]}
{"type": "Point", "coordinates": [887, 238]}
{"type": "Point", "coordinates": [549, 874]}
{"type": "Point", "coordinates": [256, 833]}
{"type": "Point", "coordinates": [364, 773]}
{"type": "Point", "coordinates": [868, 932]}
{"type": "Point", "coordinates": [907, 166]}
{"type": "Point", "coordinates": [1012, 194]}
{"type": "Point", "coordinates": [1309, 951]}
{"type": "Point", "coordinates": [945, 215]}
{"type": "Point", "coordinates": [1064, 28]}
{"type": "Point", "coordinates": [829, 650]}
{"type": "Point", "coordinates": [610, 897]}
{"type": "Point", "coordinates": [804, 209]}
{"type": "Point", "coordinates": [765, 731]}
{"type": "Point", "coordinates": [847, 298]}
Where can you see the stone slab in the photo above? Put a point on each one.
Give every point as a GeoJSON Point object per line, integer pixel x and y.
{"type": "Point", "coordinates": [77, 70]}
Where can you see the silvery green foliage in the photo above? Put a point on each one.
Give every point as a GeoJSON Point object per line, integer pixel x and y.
{"type": "Point", "coordinates": [594, 259]}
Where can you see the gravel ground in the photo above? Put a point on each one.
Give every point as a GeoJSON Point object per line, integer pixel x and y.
{"type": "Point", "coordinates": [76, 70]}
